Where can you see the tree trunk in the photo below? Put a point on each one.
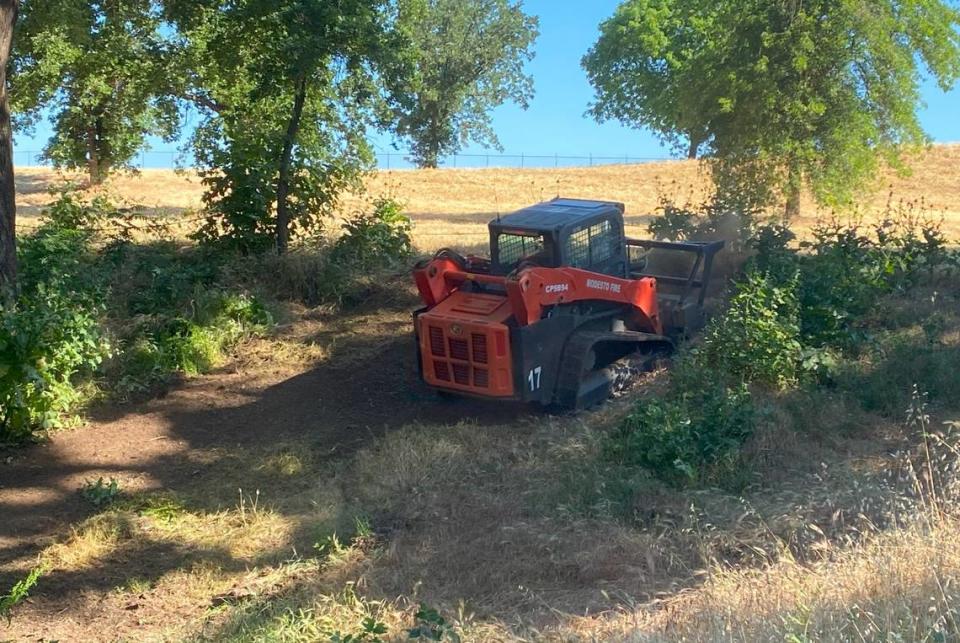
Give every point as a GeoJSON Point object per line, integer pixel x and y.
{"type": "Point", "coordinates": [431, 160]}
{"type": "Point", "coordinates": [8, 191]}
{"type": "Point", "coordinates": [792, 209]}
{"type": "Point", "coordinates": [694, 150]}
{"type": "Point", "coordinates": [433, 139]}
{"type": "Point", "coordinates": [93, 156]}
{"type": "Point", "coordinates": [98, 153]}
{"type": "Point", "coordinates": [794, 185]}
{"type": "Point", "coordinates": [283, 181]}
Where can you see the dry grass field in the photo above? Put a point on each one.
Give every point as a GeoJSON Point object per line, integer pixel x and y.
{"type": "Point", "coordinates": [451, 207]}
{"type": "Point", "coordinates": [308, 483]}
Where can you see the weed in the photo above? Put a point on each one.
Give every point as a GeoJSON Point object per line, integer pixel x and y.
{"type": "Point", "coordinates": [100, 493]}
{"type": "Point", "coordinates": [248, 506]}
{"type": "Point", "coordinates": [370, 631]}
{"type": "Point", "coordinates": [284, 464]}
{"type": "Point", "coordinates": [136, 586]}
{"type": "Point", "coordinates": [330, 548]}
{"type": "Point", "coordinates": [19, 592]}
{"type": "Point", "coordinates": [431, 626]}
{"type": "Point", "coordinates": [162, 508]}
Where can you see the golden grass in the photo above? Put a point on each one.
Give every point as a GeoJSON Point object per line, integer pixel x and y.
{"type": "Point", "coordinates": [902, 585]}
{"type": "Point", "coordinates": [244, 533]}
{"type": "Point", "coordinates": [453, 206]}
{"type": "Point", "coordinates": [88, 543]}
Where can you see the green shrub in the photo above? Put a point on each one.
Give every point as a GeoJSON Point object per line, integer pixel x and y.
{"type": "Point", "coordinates": [61, 259]}
{"type": "Point", "coordinates": [192, 343]}
{"type": "Point", "coordinates": [883, 378]}
{"type": "Point", "coordinates": [757, 338]}
{"type": "Point", "coordinates": [376, 239]}
{"type": "Point", "coordinates": [47, 344]}
{"type": "Point", "coordinates": [70, 213]}
{"type": "Point", "coordinates": [772, 252]}
{"type": "Point", "coordinates": [163, 277]}
{"type": "Point", "coordinates": [845, 270]}
{"type": "Point", "coordinates": [692, 435]}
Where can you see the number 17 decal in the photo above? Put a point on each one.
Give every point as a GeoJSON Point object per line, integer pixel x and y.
{"type": "Point", "coordinates": [534, 378]}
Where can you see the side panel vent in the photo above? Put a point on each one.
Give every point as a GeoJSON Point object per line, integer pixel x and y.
{"type": "Point", "coordinates": [436, 342]}
{"type": "Point", "coordinates": [479, 344]}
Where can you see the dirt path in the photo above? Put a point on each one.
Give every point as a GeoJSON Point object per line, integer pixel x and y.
{"type": "Point", "coordinates": [366, 386]}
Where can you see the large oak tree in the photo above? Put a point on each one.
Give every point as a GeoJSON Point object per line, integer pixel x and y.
{"type": "Point", "coordinates": [101, 71]}
{"type": "Point", "coordinates": [780, 93]}
{"type": "Point", "coordinates": [467, 58]}
{"type": "Point", "coordinates": [286, 90]}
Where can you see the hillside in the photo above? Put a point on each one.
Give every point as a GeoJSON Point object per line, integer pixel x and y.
{"type": "Point", "coordinates": [306, 487]}
{"type": "Point", "coordinates": [452, 206]}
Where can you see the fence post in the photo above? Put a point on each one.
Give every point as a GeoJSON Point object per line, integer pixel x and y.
{"type": "Point", "coordinates": [556, 160]}
{"type": "Point", "coordinates": [521, 159]}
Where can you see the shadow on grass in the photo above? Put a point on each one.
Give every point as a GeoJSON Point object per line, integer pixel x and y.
{"type": "Point", "coordinates": [884, 385]}
{"type": "Point", "coordinates": [368, 388]}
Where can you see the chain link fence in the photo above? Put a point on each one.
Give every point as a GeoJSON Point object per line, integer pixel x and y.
{"type": "Point", "coordinates": [167, 159]}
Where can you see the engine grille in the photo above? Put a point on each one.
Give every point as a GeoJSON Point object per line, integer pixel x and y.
{"type": "Point", "coordinates": [479, 345]}
{"type": "Point", "coordinates": [458, 360]}
{"type": "Point", "coordinates": [436, 342]}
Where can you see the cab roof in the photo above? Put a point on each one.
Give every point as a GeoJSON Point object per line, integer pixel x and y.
{"type": "Point", "coordinates": [556, 214]}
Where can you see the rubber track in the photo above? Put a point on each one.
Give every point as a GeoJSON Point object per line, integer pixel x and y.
{"type": "Point", "coordinates": [567, 395]}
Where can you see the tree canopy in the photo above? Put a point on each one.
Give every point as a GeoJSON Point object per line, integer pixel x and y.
{"type": "Point", "coordinates": [103, 69]}
{"type": "Point", "coordinates": [468, 58]}
{"type": "Point", "coordinates": [781, 92]}
{"type": "Point", "coordinates": [286, 91]}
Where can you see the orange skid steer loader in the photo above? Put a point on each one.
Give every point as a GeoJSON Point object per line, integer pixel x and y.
{"type": "Point", "coordinates": [560, 313]}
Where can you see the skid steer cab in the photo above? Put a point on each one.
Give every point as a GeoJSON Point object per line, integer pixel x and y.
{"type": "Point", "coordinates": [562, 312]}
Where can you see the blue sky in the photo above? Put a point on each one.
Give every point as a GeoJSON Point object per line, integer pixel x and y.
{"type": "Point", "coordinates": [555, 122]}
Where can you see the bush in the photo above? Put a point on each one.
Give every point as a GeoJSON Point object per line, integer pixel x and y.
{"type": "Point", "coordinates": [47, 344]}
{"type": "Point", "coordinates": [846, 269]}
{"type": "Point", "coordinates": [692, 435]}
{"type": "Point", "coordinates": [377, 239]}
{"type": "Point", "coordinates": [757, 339]}
{"type": "Point", "coordinates": [162, 278]}
{"type": "Point", "coordinates": [160, 303]}
{"type": "Point", "coordinates": [60, 257]}
{"type": "Point", "coordinates": [883, 378]}
{"type": "Point", "coordinates": [193, 343]}
{"type": "Point", "coordinates": [70, 213]}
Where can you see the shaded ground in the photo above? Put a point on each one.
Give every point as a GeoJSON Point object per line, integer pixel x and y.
{"type": "Point", "coordinates": [364, 388]}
